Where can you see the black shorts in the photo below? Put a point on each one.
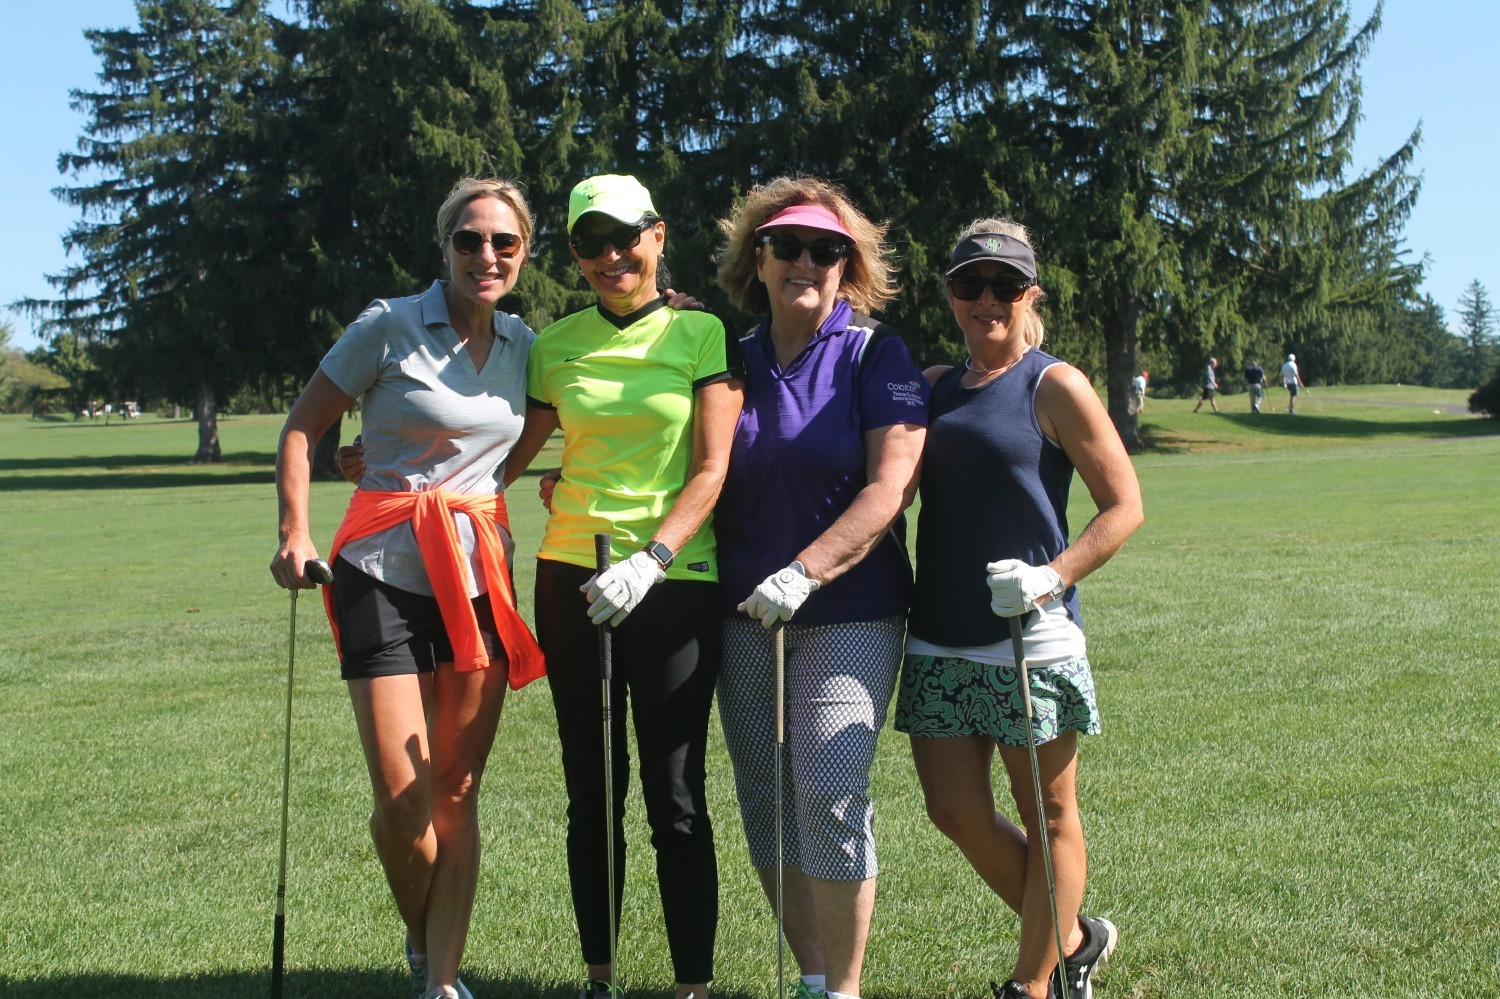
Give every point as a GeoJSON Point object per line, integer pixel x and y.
{"type": "Point", "coordinates": [386, 631]}
{"type": "Point", "coordinates": [1208, 393]}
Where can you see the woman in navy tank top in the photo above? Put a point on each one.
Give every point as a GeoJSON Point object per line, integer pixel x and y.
{"type": "Point", "coordinates": [1008, 428]}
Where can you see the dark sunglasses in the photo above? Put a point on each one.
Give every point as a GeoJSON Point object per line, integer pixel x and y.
{"type": "Point", "coordinates": [824, 252]}
{"type": "Point", "coordinates": [622, 239]}
{"type": "Point", "coordinates": [968, 289]}
{"type": "Point", "coordinates": [467, 241]}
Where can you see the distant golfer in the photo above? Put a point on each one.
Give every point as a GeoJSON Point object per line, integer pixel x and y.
{"type": "Point", "coordinates": [1292, 379]}
{"type": "Point", "coordinates": [1138, 392]}
{"type": "Point", "coordinates": [421, 605]}
{"type": "Point", "coordinates": [1210, 387]}
{"type": "Point", "coordinates": [647, 398]}
{"type": "Point", "coordinates": [1255, 380]}
{"type": "Point", "coordinates": [811, 536]}
{"type": "Point", "coordinates": [1008, 429]}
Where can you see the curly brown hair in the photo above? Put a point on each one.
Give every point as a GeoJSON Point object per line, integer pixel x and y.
{"type": "Point", "coordinates": [868, 281]}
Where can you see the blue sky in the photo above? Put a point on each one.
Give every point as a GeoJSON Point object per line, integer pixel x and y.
{"type": "Point", "coordinates": [1431, 63]}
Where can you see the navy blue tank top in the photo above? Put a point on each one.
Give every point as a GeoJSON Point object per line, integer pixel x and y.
{"type": "Point", "coordinates": [993, 487]}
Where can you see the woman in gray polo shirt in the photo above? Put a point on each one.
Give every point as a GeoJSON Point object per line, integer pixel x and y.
{"type": "Point", "coordinates": [421, 605]}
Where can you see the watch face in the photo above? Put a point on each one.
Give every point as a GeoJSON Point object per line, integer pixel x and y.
{"type": "Point", "coordinates": [661, 553]}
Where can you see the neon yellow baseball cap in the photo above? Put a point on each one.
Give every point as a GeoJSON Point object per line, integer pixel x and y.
{"type": "Point", "coordinates": [619, 196]}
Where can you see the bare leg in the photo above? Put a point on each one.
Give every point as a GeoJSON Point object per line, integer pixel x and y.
{"type": "Point", "coordinates": [390, 714]}
{"type": "Point", "coordinates": [844, 909]}
{"type": "Point", "coordinates": [465, 713]}
{"type": "Point", "coordinates": [801, 923]}
{"type": "Point", "coordinates": [955, 777]}
{"type": "Point", "coordinates": [1058, 763]}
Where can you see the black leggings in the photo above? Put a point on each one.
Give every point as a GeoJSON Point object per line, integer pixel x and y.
{"type": "Point", "coordinates": [666, 655]}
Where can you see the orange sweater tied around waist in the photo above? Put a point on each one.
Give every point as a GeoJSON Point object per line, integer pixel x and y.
{"type": "Point", "coordinates": [431, 516]}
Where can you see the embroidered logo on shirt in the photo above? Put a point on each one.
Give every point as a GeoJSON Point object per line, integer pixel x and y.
{"type": "Point", "coordinates": [907, 392]}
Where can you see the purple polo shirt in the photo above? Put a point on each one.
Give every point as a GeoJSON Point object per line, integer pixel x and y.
{"type": "Point", "coordinates": [799, 460]}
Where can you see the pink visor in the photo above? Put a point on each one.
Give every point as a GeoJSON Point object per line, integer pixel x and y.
{"type": "Point", "coordinates": [811, 216]}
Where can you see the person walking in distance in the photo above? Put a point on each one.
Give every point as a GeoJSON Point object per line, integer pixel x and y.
{"type": "Point", "coordinates": [1210, 387]}
{"type": "Point", "coordinates": [1292, 379]}
{"type": "Point", "coordinates": [1255, 379]}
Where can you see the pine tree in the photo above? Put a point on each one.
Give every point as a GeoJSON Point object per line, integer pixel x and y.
{"type": "Point", "coordinates": [1195, 170]}
{"type": "Point", "coordinates": [165, 232]}
{"type": "Point", "coordinates": [1476, 322]}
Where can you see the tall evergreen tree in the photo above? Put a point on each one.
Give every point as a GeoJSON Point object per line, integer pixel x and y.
{"type": "Point", "coordinates": [1476, 322]}
{"type": "Point", "coordinates": [165, 230]}
{"type": "Point", "coordinates": [1196, 161]}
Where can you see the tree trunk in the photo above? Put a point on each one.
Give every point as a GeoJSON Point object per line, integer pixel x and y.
{"type": "Point", "coordinates": [1121, 343]}
{"type": "Point", "coordinates": [208, 425]}
{"type": "Point", "coordinates": [326, 453]}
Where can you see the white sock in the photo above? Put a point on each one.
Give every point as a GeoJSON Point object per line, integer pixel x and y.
{"type": "Point", "coordinates": [816, 984]}
{"type": "Point", "coordinates": [840, 995]}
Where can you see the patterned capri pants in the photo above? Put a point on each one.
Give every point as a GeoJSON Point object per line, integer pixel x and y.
{"type": "Point", "coordinates": [839, 680]}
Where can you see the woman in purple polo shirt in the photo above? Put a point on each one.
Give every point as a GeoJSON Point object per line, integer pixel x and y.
{"type": "Point", "coordinates": [810, 533]}
{"type": "Point", "coordinates": [1010, 426]}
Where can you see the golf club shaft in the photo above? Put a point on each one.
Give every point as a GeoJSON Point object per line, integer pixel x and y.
{"type": "Point", "coordinates": [1018, 649]}
{"type": "Point", "coordinates": [606, 678]}
{"type": "Point", "coordinates": [317, 570]}
{"type": "Point", "coordinates": [778, 667]}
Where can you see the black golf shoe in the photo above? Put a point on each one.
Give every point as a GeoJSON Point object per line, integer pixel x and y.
{"type": "Point", "coordinates": [1013, 989]}
{"type": "Point", "coordinates": [1099, 939]}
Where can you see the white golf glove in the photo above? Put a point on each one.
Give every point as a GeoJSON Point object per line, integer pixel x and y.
{"type": "Point", "coordinates": [618, 590]}
{"type": "Point", "coordinates": [1015, 586]}
{"type": "Point", "coordinates": [779, 595]}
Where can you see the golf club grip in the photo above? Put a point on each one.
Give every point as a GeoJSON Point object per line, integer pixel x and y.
{"type": "Point", "coordinates": [778, 667]}
{"type": "Point", "coordinates": [601, 565]}
{"type": "Point", "coordinates": [278, 954]}
{"type": "Point", "coordinates": [316, 569]}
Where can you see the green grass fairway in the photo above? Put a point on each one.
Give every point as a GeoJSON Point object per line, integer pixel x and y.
{"type": "Point", "coordinates": [1296, 792]}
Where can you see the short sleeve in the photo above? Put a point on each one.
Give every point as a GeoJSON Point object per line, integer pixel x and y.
{"type": "Point", "coordinates": [536, 366]}
{"type": "Point", "coordinates": [891, 388]}
{"type": "Point", "coordinates": [715, 350]}
{"type": "Point", "coordinates": [355, 361]}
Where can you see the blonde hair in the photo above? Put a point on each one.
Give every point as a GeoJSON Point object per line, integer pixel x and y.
{"type": "Point", "coordinates": [1034, 330]}
{"type": "Point", "coordinates": [868, 279]}
{"type": "Point", "coordinates": [473, 188]}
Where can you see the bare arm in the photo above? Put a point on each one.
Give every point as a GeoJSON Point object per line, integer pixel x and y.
{"type": "Point", "coordinates": [1071, 414]}
{"type": "Point", "coordinates": [717, 410]}
{"type": "Point", "coordinates": [316, 409]}
{"type": "Point", "coordinates": [894, 457]}
{"type": "Point", "coordinates": [540, 425]}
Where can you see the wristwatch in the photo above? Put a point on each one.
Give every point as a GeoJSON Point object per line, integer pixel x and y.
{"type": "Point", "coordinates": [661, 553]}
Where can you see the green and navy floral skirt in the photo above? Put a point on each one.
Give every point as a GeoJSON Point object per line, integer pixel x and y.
{"type": "Point", "coordinates": [942, 697]}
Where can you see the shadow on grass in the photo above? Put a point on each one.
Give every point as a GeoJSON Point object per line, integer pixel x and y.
{"type": "Point", "coordinates": [1156, 439]}
{"type": "Point", "coordinates": [1302, 425]}
{"type": "Point", "coordinates": [323, 984]}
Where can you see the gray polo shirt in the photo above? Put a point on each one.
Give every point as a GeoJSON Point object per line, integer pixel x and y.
{"type": "Point", "coordinates": [431, 421]}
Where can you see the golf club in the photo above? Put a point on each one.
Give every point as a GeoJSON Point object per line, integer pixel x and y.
{"type": "Point", "coordinates": [778, 668]}
{"type": "Point", "coordinates": [1018, 649]}
{"type": "Point", "coordinates": [606, 677]}
{"type": "Point", "coordinates": [316, 570]}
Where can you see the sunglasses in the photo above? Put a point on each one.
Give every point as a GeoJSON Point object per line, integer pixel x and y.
{"type": "Point", "coordinates": [968, 289]}
{"type": "Point", "coordinates": [788, 248]}
{"type": "Point", "coordinates": [622, 239]}
{"type": "Point", "coordinates": [467, 241]}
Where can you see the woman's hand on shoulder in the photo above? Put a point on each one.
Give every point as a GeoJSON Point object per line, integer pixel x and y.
{"type": "Point", "coordinates": [682, 301]}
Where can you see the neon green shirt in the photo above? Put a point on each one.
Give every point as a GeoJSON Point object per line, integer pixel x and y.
{"type": "Point", "coordinates": [622, 388]}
